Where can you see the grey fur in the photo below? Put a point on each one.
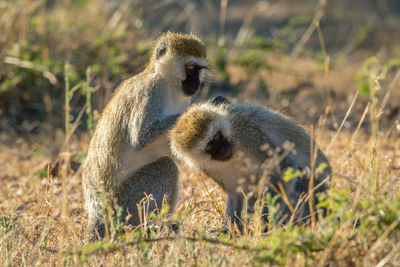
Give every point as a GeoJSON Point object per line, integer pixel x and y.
{"type": "Point", "coordinates": [163, 173]}
{"type": "Point", "coordinates": [114, 136]}
{"type": "Point", "coordinates": [159, 180]}
{"type": "Point", "coordinates": [251, 127]}
{"type": "Point", "coordinates": [131, 137]}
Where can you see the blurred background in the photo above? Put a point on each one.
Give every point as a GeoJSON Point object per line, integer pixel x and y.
{"type": "Point", "coordinates": [299, 57]}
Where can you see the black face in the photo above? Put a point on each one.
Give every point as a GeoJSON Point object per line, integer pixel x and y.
{"type": "Point", "coordinates": [192, 82]}
{"type": "Point", "coordinates": [219, 148]}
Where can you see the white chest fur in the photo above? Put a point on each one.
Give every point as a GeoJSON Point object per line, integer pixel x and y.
{"type": "Point", "coordinates": [175, 103]}
{"type": "Point", "coordinates": [225, 173]}
{"type": "Point", "coordinates": [233, 175]}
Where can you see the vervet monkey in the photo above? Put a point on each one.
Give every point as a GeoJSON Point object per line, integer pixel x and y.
{"type": "Point", "coordinates": [211, 137]}
{"type": "Point", "coordinates": [132, 130]}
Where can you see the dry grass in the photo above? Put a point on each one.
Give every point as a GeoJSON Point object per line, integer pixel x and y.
{"type": "Point", "coordinates": [34, 222]}
{"type": "Point", "coordinates": [42, 220]}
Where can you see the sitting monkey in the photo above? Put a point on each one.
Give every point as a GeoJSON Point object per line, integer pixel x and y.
{"type": "Point", "coordinates": [127, 152]}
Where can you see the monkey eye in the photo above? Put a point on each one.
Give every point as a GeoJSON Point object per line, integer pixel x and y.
{"type": "Point", "coordinates": [201, 67]}
{"type": "Point", "coordinates": [191, 69]}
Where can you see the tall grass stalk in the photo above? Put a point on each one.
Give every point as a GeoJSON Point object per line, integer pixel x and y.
{"type": "Point", "coordinates": [89, 91]}
{"type": "Point", "coordinates": [311, 201]}
{"type": "Point", "coordinates": [67, 107]}
{"type": "Point", "coordinates": [222, 21]}
{"type": "Point", "coordinates": [373, 170]}
{"type": "Point", "coordinates": [65, 163]}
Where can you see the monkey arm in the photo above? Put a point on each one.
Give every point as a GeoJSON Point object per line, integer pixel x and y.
{"type": "Point", "coordinates": [234, 206]}
{"type": "Point", "coordinates": [151, 130]}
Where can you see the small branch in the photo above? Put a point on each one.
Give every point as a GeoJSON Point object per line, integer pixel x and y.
{"type": "Point", "coordinates": [30, 65]}
{"type": "Point", "coordinates": [110, 247]}
{"type": "Point", "coordinates": [319, 13]}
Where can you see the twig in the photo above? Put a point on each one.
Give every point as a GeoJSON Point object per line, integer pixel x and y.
{"type": "Point", "coordinates": [260, 8]}
{"type": "Point", "coordinates": [392, 85]}
{"type": "Point", "coordinates": [359, 123]}
{"type": "Point", "coordinates": [29, 65]}
{"type": "Point", "coordinates": [212, 200]}
{"type": "Point", "coordinates": [387, 258]}
{"type": "Point", "coordinates": [222, 21]}
{"type": "Point", "coordinates": [341, 125]}
{"type": "Point", "coordinates": [75, 125]}
{"type": "Point", "coordinates": [110, 247]}
{"type": "Point", "coordinates": [382, 237]}
{"type": "Point", "coordinates": [352, 180]}
{"type": "Point", "coordinates": [319, 13]}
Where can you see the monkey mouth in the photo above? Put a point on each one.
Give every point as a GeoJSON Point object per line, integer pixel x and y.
{"type": "Point", "coordinates": [190, 87]}
{"type": "Point", "coordinates": [223, 155]}
{"type": "Point", "coordinates": [227, 155]}
{"type": "Point", "coordinates": [191, 84]}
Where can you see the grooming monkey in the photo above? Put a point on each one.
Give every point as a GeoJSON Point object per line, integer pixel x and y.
{"type": "Point", "coordinates": [127, 152]}
{"type": "Point", "coordinates": [212, 136]}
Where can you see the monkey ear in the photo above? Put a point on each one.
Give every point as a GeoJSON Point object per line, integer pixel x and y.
{"type": "Point", "coordinates": [161, 49]}
{"type": "Point", "coordinates": [220, 100]}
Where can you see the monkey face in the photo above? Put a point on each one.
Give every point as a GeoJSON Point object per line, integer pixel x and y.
{"type": "Point", "coordinates": [220, 148]}
{"type": "Point", "coordinates": [191, 84]}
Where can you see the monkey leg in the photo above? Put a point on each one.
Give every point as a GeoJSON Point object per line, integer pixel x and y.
{"type": "Point", "coordinates": [157, 181]}
{"type": "Point", "coordinates": [95, 202]}
{"type": "Point", "coordinates": [303, 215]}
{"type": "Point", "coordinates": [95, 228]}
{"type": "Point", "coordinates": [274, 191]}
{"type": "Point", "coordinates": [233, 211]}
{"type": "Point", "coordinates": [147, 189]}
{"type": "Point", "coordinates": [298, 190]}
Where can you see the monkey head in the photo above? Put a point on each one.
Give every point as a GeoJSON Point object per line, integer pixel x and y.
{"type": "Point", "coordinates": [180, 59]}
{"type": "Point", "coordinates": [202, 136]}
{"type": "Point", "coordinates": [219, 147]}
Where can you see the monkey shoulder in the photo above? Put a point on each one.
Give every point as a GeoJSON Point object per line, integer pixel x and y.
{"type": "Point", "coordinates": [254, 127]}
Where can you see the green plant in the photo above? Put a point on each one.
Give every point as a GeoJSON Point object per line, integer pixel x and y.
{"type": "Point", "coordinates": [84, 33]}
{"type": "Point", "coordinates": [368, 82]}
{"type": "Point", "coordinates": [251, 59]}
{"type": "Point", "coordinates": [221, 62]}
{"type": "Point", "coordinates": [7, 223]}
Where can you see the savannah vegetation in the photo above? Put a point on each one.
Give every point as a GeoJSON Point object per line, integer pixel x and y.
{"type": "Point", "coordinates": [331, 65]}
